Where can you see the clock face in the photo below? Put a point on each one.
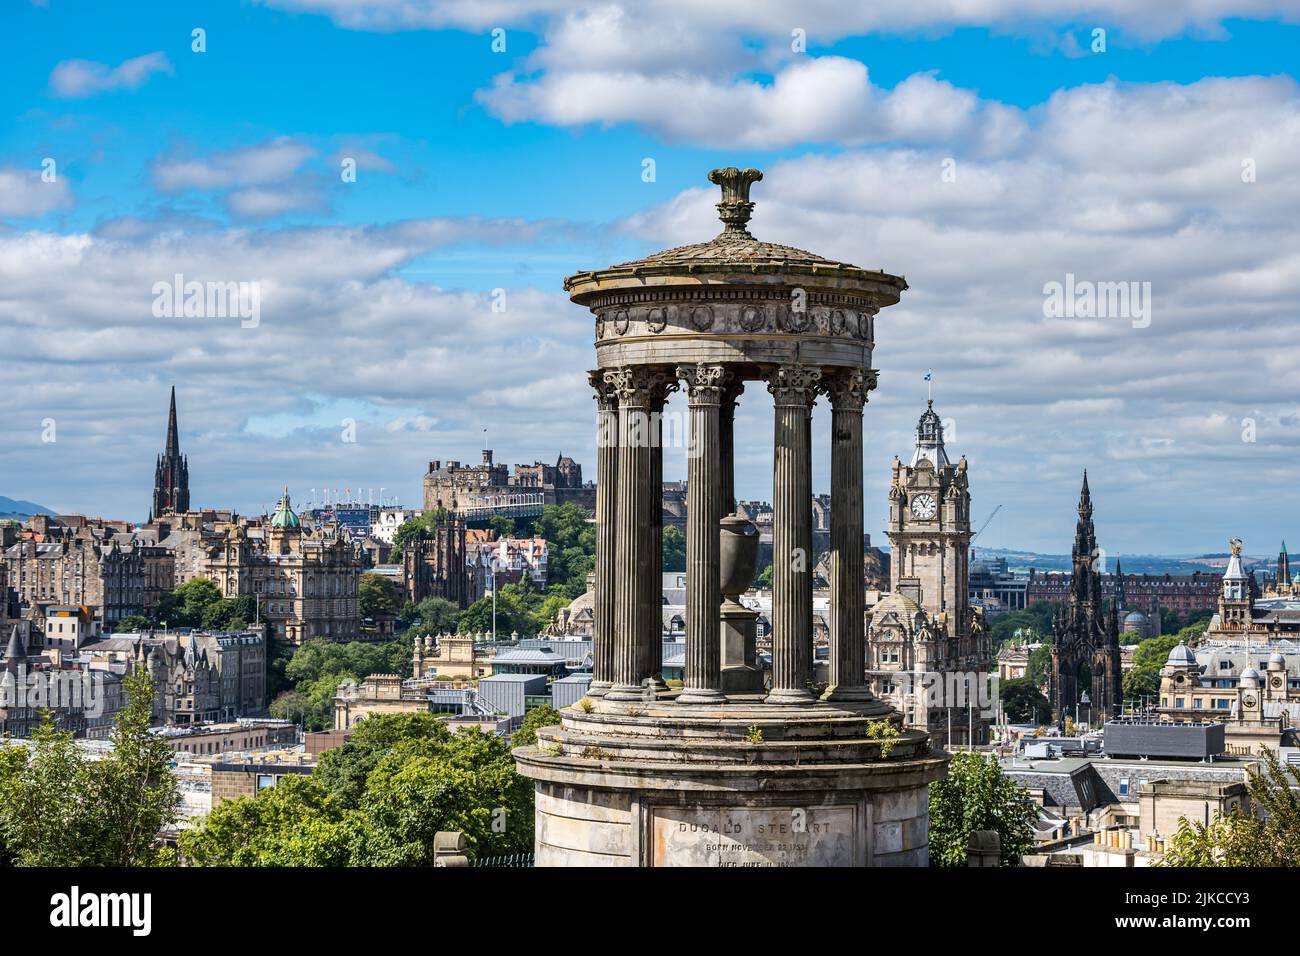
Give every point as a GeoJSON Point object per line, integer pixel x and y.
{"type": "Point", "coordinates": [924, 506]}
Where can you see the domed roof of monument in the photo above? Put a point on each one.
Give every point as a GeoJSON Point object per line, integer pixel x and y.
{"type": "Point", "coordinates": [284, 516]}
{"type": "Point", "coordinates": [1181, 655]}
{"type": "Point", "coordinates": [735, 248]}
{"type": "Point", "coordinates": [1135, 617]}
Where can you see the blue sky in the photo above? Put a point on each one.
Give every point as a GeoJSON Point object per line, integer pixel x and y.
{"type": "Point", "coordinates": [481, 170]}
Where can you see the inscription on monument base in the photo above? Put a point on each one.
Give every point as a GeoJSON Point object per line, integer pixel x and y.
{"type": "Point", "coordinates": [754, 836]}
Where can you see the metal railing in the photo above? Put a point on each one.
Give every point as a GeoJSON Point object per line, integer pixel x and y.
{"type": "Point", "coordinates": [508, 861]}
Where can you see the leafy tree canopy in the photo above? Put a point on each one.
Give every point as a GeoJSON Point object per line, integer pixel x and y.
{"type": "Point", "coordinates": [377, 801]}
{"type": "Point", "coordinates": [1265, 834]}
{"type": "Point", "coordinates": [977, 796]}
{"type": "Point", "coordinates": [58, 807]}
{"type": "Point", "coordinates": [377, 596]}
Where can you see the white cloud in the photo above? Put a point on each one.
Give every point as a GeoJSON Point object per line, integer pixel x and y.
{"type": "Point", "coordinates": [260, 203]}
{"type": "Point", "coordinates": [83, 348]}
{"type": "Point", "coordinates": [269, 162]}
{"type": "Point", "coordinates": [24, 193]}
{"type": "Point", "coordinates": [824, 20]}
{"type": "Point", "coordinates": [80, 78]}
{"type": "Point", "coordinates": [826, 99]}
{"type": "Point", "coordinates": [1113, 182]}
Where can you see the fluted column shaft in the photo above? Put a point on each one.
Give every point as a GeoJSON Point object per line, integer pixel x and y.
{"type": "Point", "coordinates": [654, 600]}
{"type": "Point", "coordinates": [635, 585]}
{"type": "Point", "coordinates": [727, 442]}
{"type": "Point", "coordinates": [793, 389]}
{"type": "Point", "coordinates": [603, 629]}
{"type": "Point", "coordinates": [848, 393]}
{"type": "Point", "coordinates": [703, 679]}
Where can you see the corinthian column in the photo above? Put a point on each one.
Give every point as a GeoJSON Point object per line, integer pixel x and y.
{"type": "Point", "coordinates": [602, 639]}
{"type": "Point", "coordinates": [704, 388]}
{"type": "Point", "coordinates": [640, 391]}
{"type": "Point", "coordinates": [848, 393]}
{"type": "Point", "coordinates": [793, 389]}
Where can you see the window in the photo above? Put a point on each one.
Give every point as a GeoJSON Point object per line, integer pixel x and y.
{"type": "Point", "coordinates": [265, 780]}
{"type": "Point", "coordinates": [1123, 786]}
{"type": "Point", "coordinates": [1196, 703]}
{"type": "Point", "coordinates": [1178, 704]}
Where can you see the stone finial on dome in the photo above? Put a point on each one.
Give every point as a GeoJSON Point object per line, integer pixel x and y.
{"type": "Point", "coordinates": [735, 208]}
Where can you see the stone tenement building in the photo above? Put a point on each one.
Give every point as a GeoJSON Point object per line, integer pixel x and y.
{"type": "Point", "coordinates": [455, 486]}
{"type": "Point", "coordinates": [925, 632]}
{"type": "Point", "coordinates": [186, 538]}
{"type": "Point", "coordinates": [33, 684]}
{"type": "Point", "coordinates": [305, 581]}
{"type": "Point", "coordinates": [1085, 636]}
{"type": "Point", "coordinates": [74, 560]}
{"type": "Point", "coordinates": [171, 481]}
{"type": "Point", "coordinates": [198, 677]}
{"type": "Point", "coordinates": [1198, 591]}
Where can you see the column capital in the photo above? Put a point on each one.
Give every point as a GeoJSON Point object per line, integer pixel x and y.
{"type": "Point", "coordinates": [848, 388]}
{"type": "Point", "coordinates": [705, 384]}
{"type": "Point", "coordinates": [641, 386]}
{"type": "Point", "coordinates": [606, 396]}
{"type": "Point", "coordinates": [793, 384]}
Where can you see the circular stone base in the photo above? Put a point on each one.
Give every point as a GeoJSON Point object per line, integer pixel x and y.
{"type": "Point", "coordinates": [739, 784]}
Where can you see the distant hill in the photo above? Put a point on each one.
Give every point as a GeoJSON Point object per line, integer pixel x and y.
{"type": "Point", "coordinates": [9, 508]}
{"type": "Point", "coordinates": [1133, 563]}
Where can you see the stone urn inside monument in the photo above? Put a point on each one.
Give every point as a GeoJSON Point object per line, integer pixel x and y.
{"type": "Point", "coordinates": [738, 560]}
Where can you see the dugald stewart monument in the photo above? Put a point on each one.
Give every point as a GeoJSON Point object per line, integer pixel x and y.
{"type": "Point", "coordinates": [725, 771]}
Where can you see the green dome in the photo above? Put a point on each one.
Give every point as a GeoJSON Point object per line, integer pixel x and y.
{"type": "Point", "coordinates": [284, 516]}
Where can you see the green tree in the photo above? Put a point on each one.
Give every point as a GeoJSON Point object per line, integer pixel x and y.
{"type": "Point", "coordinates": [764, 579]}
{"type": "Point", "coordinates": [674, 550]}
{"type": "Point", "coordinates": [135, 792]}
{"type": "Point", "coordinates": [526, 735]}
{"type": "Point", "coordinates": [433, 615]}
{"type": "Point", "coordinates": [1143, 679]}
{"type": "Point", "coordinates": [294, 823]}
{"type": "Point", "coordinates": [1028, 625]}
{"type": "Point", "coordinates": [1023, 702]}
{"type": "Point", "coordinates": [976, 796]}
{"type": "Point", "coordinates": [1266, 835]}
{"type": "Point", "coordinates": [424, 524]}
{"type": "Point", "coordinates": [1040, 664]}
{"type": "Point", "coordinates": [186, 605]}
{"type": "Point", "coordinates": [377, 801]}
{"type": "Point", "coordinates": [377, 596]}
{"type": "Point", "coordinates": [517, 609]}
{"type": "Point", "coordinates": [344, 770]}
{"type": "Point", "coordinates": [312, 675]}
{"type": "Point", "coordinates": [570, 544]}
{"type": "Point", "coordinates": [502, 526]}
{"type": "Point", "coordinates": [132, 623]}
{"type": "Point", "coordinates": [229, 614]}
{"type": "Point", "coordinates": [60, 808]}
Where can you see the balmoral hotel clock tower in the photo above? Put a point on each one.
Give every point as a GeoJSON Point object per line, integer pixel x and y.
{"type": "Point", "coordinates": [929, 531]}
